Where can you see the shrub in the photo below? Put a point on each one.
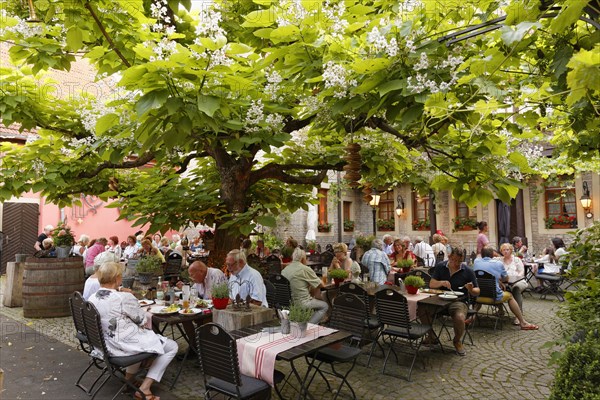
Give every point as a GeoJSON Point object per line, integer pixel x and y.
{"type": "Point", "coordinates": [415, 281]}
{"type": "Point", "coordinates": [338, 273]}
{"type": "Point", "coordinates": [299, 313]}
{"type": "Point", "coordinates": [220, 291]}
{"type": "Point", "coordinates": [149, 265]}
{"type": "Point", "coordinates": [405, 263]}
{"type": "Point", "coordinates": [62, 235]}
{"type": "Point", "coordinates": [364, 241]}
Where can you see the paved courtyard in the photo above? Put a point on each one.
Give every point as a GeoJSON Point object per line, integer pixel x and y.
{"type": "Point", "coordinates": [506, 364]}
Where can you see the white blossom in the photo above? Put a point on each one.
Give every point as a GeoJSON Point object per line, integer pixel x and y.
{"type": "Point", "coordinates": [423, 62]}
{"type": "Point", "coordinates": [294, 13]}
{"type": "Point", "coordinates": [209, 24]}
{"type": "Point", "coordinates": [254, 116]}
{"type": "Point", "coordinates": [22, 28]}
{"type": "Point", "coordinates": [335, 13]}
{"type": "Point", "coordinates": [38, 166]}
{"type": "Point", "coordinates": [272, 86]}
{"type": "Point", "coordinates": [335, 76]}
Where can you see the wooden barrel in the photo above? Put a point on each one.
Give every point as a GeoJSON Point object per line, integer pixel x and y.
{"type": "Point", "coordinates": [48, 283]}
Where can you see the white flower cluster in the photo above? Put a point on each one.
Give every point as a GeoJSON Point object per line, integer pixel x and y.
{"type": "Point", "coordinates": [22, 28]}
{"type": "Point", "coordinates": [378, 41]}
{"type": "Point", "coordinates": [254, 116]}
{"type": "Point", "coordinates": [90, 115]}
{"type": "Point", "coordinates": [335, 76]}
{"type": "Point", "coordinates": [32, 137]}
{"type": "Point", "coordinates": [217, 57]}
{"type": "Point", "coordinates": [311, 104]}
{"type": "Point", "coordinates": [424, 83]}
{"type": "Point", "coordinates": [335, 13]}
{"type": "Point", "coordinates": [209, 24]}
{"type": "Point", "coordinates": [38, 166]}
{"type": "Point", "coordinates": [272, 86]}
{"type": "Point", "coordinates": [159, 10]}
{"type": "Point", "coordinates": [294, 14]}
{"type": "Point", "coordinates": [274, 122]}
{"type": "Point", "coordinates": [162, 49]}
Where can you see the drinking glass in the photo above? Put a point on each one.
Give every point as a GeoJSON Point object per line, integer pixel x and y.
{"type": "Point", "coordinates": [160, 296]}
{"type": "Point", "coordinates": [143, 291]}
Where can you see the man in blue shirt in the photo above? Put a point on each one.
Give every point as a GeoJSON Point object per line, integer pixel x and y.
{"type": "Point", "coordinates": [496, 268]}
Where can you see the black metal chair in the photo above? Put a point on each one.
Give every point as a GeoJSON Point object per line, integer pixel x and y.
{"type": "Point", "coordinates": [315, 257]}
{"type": "Point", "coordinates": [115, 366]}
{"type": "Point", "coordinates": [370, 321]}
{"type": "Point", "coordinates": [471, 317]}
{"type": "Point", "coordinates": [439, 257]}
{"type": "Point", "coordinates": [552, 284]}
{"type": "Point", "coordinates": [173, 266]}
{"type": "Point", "coordinates": [76, 304]}
{"type": "Point", "coordinates": [271, 292]}
{"type": "Point", "coordinates": [487, 296]}
{"type": "Point", "coordinates": [220, 369]}
{"type": "Point", "coordinates": [326, 258]}
{"type": "Point", "coordinates": [392, 312]}
{"type": "Point", "coordinates": [283, 292]}
{"type": "Point", "coordinates": [347, 315]}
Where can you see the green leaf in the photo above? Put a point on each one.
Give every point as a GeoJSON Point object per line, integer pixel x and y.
{"type": "Point", "coordinates": [260, 18]}
{"type": "Point", "coordinates": [246, 229]}
{"type": "Point", "coordinates": [106, 122]}
{"type": "Point", "coordinates": [370, 65]}
{"type": "Point", "coordinates": [387, 87]}
{"type": "Point", "coordinates": [285, 33]}
{"type": "Point", "coordinates": [568, 15]}
{"type": "Point", "coordinates": [208, 104]}
{"type": "Point", "coordinates": [510, 36]}
{"type": "Point", "coordinates": [74, 38]}
{"type": "Point", "coordinates": [151, 100]}
{"type": "Point", "coordinates": [266, 220]}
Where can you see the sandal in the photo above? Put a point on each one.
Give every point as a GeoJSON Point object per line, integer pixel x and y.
{"type": "Point", "coordinates": [529, 327]}
{"type": "Point", "coordinates": [149, 396]}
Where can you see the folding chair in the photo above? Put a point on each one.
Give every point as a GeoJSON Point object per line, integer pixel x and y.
{"type": "Point", "coordinates": [220, 369]}
{"type": "Point", "coordinates": [347, 315]}
{"type": "Point", "coordinates": [271, 290]}
{"type": "Point", "coordinates": [370, 321]}
{"type": "Point", "coordinates": [487, 296]}
{"type": "Point", "coordinates": [283, 292]}
{"type": "Point", "coordinates": [115, 366]}
{"type": "Point", "coordinates": [552, 284]}
{"type": "Point", "coordinates": [173, 267]}
{"type": "Point", "coordinates": [326, 258]}
{"type": "Point", "coordinates": [392, 312]}
{"type": "Point", "coordinates": [76, 304]}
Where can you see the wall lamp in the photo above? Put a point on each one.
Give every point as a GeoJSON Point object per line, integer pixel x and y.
{"type": "Point", "coordinates": [400, 206]}
{"type": "Point", "coordinates": [375, 197]}
{"type": "Point", "coordinates": [586, 201]}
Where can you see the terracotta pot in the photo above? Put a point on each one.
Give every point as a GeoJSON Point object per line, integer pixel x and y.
{"type": "Point", "coordinates": [220, 304]}
{"type": "Point", "coordinates": [412, 289]}
{"type": "Point", "coordinates": [338, 281]}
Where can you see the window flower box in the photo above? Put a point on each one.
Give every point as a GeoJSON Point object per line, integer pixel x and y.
{"type": "Point", "coordinates": [464, 224]}
{"type": "Point", "coordinates": [348, 226]}
{"type": "Point", "coordinates": [386, 224]}
{"type": "Point", "coordinates": [324, 227]}
{"type": "Point", "coordinates": [561, 222]}
{"type": "Point", "coordinates": [420, 225]}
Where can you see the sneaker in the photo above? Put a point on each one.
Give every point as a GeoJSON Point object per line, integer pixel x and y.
{"type": "Point", "coordinates": [460, 349]}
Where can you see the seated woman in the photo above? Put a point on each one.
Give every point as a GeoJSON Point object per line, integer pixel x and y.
{"type": "Point", "coordinates": [547, 265]}
{"type": "Point", "coordinates": [148, 250]}
{"type": "Point", "coordinates": [401, 252]}
{"type": "Point", "coordinates": [341, 260]}
{"type": "Point", "coordinates": [261, 250]}
{"type": "Point", "coordinates": [123, 322]}
{"type": "Point", "coordinates": [516, 274]}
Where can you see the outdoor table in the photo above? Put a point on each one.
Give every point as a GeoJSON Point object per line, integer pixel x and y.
{"type": "Point", "coordinates": [530, 267]}
{"type": "Point", "coordinates": [186, 325]}
{"type": "Point", "coordinates": [437, 305]}
{"type": "Point", "coordinates": [251, 338]}
{"type": "Point", "coordinates": [231, 319]}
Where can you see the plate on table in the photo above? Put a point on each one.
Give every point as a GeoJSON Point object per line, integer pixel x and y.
{"type": "Point", "coordinates": [450, 292]}
{"type": "Point", "coordinates": [447, 296]}
{"type": "Point", "coordinates": [204, 304]}
{"type": "Point", "coordinates": [160, 310]}
{"type": "Point", "coordinates": [190, 311]}
{"type": "Point", "coordinates": [144, 302]}
{"type": "Point", "coordinates": [434, 291]}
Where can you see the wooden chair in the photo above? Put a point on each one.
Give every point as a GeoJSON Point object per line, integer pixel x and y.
{"type": "Point", "coordinates": [346, 315]}
{"type": "Point", "coordinates": [392, 313]}
{"type": "Point", "coordinates": [220, 369]}
{"type": "Point", "coordinates": [76, 304]}
{"type": "Point", "coordinates": [115, 366]}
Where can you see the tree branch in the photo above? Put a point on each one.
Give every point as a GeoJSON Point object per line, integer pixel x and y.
{"type": "Point", "coordinates": [106, 35]}
{"type": "Point", "coordinates": [186, 161]}
{"type": "Point", "coordinates": [277, 171]}
{"type": "Point", "coordinates": [145, 158]}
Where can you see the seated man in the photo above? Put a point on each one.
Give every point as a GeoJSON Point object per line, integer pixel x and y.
{"type": "Point", "coordinates": [496, 268]}
{"type": "Point", "coordinates": [204, 278]}
{"type": "Point", "coordinates": [452, 274]}
{"type": "Point", "coordinates": [377, 262]}
{"type": "Point", "coordinates": [305, 285]}
{"type": "Point", "coordinates": [244, 279]}
{"type": "Point", "coordinates": [424, 253]}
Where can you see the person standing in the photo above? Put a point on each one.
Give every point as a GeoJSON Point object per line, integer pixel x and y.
{"type": "Point", "coordinates": [305, 286]}
{"type": "Point", "coordinates": [44, 235]}
{"type": "Point", "coordinates": [482, 239]}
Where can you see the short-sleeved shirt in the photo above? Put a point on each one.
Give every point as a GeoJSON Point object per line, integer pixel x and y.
{"type": "Point", "coordinates": [378, 264]}
{"type": "Point", "coordinates": [460, 278]}
{"type": "Point", "coordinates": [255, 286]}
{"type": "Point", "coordinates": [482, 241]}
{"type": "Point", "coordinates": [301, 277]}
{"type": "Point", "coordinates": [493, 267]}
{"type": "Point", "coordinates": [213, 277]}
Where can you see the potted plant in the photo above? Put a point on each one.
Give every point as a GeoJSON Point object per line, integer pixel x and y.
{"type": "Point", "coordinates": [561, 222]}
{"type": "Point", "coordinates": [286, 253]}
{"type": "Point", "coordinates": [413, 283]}
{"type": "Point", "coordinates": [220, 295]}
{"type": "Point", "coordinates": [147, 267]}
{"type": "Point", "coordinates": [464, 224]}
{"type": "Point", "coordinates": [348, 225]}
{"type": "Point", "coordinates": [420, 225]}
{"type": "Point", "coordinates": [364, 242]}
{"type": "Point", "coordinates": [324, 227]}
{"type": "Point", "coordinates": [63, 240]}
{"type": "Point", "coordinates": [405, 265]}
{"type": "Point", "coordinates": [338, 275]}
{"type": "Point", "coordinates": [299, 317]}
{"type": "Point", "coordinates": [386, 224]}
{"type": "Point", "coordinates": [311, 246]}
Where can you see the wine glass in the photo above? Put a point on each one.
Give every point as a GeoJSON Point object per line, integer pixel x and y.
{"type": "Point", "coordinates": [143, 291]}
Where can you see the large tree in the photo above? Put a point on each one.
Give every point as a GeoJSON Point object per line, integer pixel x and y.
{"type": "Point", "coordinates": [231, 114]}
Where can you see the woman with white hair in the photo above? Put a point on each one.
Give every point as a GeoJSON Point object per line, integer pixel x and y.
{"type": "Point", "coordinates": [123, 322]}
{"type": "Point", "coordinates": [81, 245]}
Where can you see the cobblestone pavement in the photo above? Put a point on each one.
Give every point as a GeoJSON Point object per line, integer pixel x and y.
{"type": "Point", "coordinates": [506, 364]}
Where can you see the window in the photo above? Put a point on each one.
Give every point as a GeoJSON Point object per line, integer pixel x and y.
{"type": "Point", "coordinates": [387, 206]}
{"type": "Point", "coordinates": [346, 211]}
{"type": "Point", "coordinates": [462, 211]}
{"type": "Point", "coordinates": [561, 204]}
{"type": "Point", "coordinates": [420, 207]}
{"type": "Point", "coordinates": [323, 206]}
